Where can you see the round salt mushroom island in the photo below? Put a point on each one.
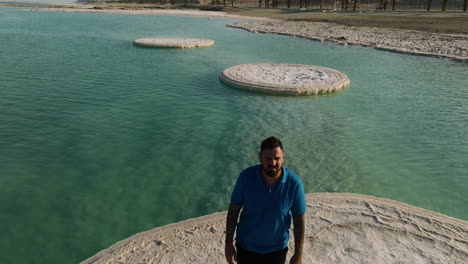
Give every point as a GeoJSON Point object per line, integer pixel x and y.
{"type": "Point", "coordinates": [285, 79]}
{"type": "Point", "coordinates": [173, 42]}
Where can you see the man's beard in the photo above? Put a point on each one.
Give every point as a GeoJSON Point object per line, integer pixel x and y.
{"type": "Point", "coordinates": [270, 171]}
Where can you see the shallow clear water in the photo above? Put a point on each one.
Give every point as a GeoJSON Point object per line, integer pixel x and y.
{"type": "Point", "coordinates": [100, 139]}
{"type": "Point", "coordinates": [34, 3]}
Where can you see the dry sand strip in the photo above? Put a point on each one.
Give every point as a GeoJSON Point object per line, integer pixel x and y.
{"type": "Point", "coordinates": [340, 228]}
{"type": "Point", "coordinates": [158, 12]}
{"type": "Point", "coordinates": [451, 46]}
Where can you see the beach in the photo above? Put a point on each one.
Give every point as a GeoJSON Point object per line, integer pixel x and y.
{"type": "Point", "coordinates": [340, 228]}
{"type": "Point", "coordinates": [154, 12]}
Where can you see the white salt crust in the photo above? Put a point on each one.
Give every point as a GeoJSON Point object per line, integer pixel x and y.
{"type": "Point", "coordinates": [339, 228]}
{"type": "Point", "coordinates": [173, 42]}
{"type": "Point", "coordinates": [285, 79]}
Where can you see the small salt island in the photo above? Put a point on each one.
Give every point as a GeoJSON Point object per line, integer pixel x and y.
{"type": "Point", "coordinates": [285, 79]}
{"type": "Point", "coordinates": [181, 43]}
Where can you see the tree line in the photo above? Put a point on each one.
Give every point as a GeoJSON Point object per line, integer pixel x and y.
{"type": "Point", "coordinates": [337, 4]}
{"type": "Point", "coordinates": [323, 4]}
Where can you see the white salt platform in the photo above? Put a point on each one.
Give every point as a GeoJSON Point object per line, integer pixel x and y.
{"type": "Point", "coordinates": [285, 79]}
{"type": "Point", "coordinates": [173, 42]}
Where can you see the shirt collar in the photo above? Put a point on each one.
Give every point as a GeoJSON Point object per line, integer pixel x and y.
{"type": "Point", "coordinates": [284, 176]}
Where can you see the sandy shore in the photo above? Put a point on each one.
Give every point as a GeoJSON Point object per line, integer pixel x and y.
{"type": "Point", "coordinates": [405, 41]}
{"type": "Point", "coordinates": [157, 12]}
{"type": "Point", "coordinates": [340, 228]}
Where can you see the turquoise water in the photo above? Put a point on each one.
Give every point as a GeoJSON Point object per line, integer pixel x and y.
{"type": "Point", "coordinates": [100, 139]}
{"type": "Point", "coordinates": [26, 3]}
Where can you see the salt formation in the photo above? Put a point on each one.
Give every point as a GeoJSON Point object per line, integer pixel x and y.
{"type": "Point", "coordinates": [173, 42]}
{"type": "Point", "coordinates": [285, 79]}
{"type": "Point", "coordinates": [340, 228]}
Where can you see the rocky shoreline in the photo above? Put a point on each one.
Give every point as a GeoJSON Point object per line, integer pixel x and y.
{"type": "Point", "coordinates": [450, 46]}
{"type": "Point", "coordinates": [340, 228]}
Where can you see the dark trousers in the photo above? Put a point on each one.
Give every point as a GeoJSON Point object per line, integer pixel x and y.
{"type": "Point", "coordinates": [247, 257]}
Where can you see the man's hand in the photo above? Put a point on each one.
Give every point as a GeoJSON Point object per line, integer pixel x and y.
{"type": "Point", "coordinates": [230, 253]}
{"type": "Point", "coordinates": [296, 259]}
{"type": "Point", "coordinates": [299, 230]}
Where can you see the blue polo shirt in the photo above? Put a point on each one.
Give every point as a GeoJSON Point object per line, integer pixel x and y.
{"type": "Point", "coordinates": [266, 214]}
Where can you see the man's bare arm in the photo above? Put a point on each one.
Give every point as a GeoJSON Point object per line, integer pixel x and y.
{"type": "Point", "coordinates": [231, 223]}
{"type": "Point", "coordinates": [299, 231]}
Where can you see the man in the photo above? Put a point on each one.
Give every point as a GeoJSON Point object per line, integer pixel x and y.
{"type": "Point", "coordinates": [268, 195]}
